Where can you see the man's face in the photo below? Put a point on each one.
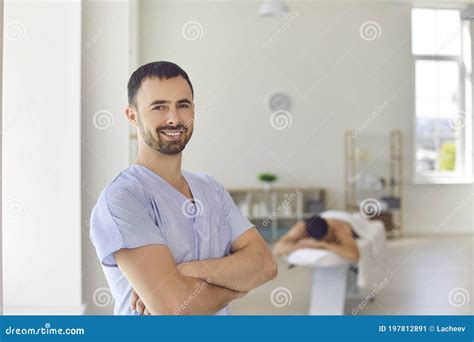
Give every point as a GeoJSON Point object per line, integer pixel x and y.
{"type": "Point", "coordinates": [165, 114]}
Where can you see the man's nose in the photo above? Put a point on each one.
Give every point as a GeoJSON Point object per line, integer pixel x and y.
{"type": "Point", "coordinates": [173, 116]}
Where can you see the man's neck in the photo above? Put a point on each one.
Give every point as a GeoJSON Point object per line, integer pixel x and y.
{"type": "Point", "coordinates": [166, 166]}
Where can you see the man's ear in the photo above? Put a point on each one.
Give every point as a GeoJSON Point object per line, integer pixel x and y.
{"type": "Point", "coordinates": [132, 115]}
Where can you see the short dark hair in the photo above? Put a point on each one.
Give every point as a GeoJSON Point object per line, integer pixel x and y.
{"type": "Point", "coordinates": [317, 227]}
{"type": "Point", "coordinates": [161, 70]}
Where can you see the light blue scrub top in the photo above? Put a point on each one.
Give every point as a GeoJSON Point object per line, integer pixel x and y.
{"type": "Point", "coordinates": [140, 208]}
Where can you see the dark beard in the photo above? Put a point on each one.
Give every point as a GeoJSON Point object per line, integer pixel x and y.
{"type": "Point", "coordinates": [162, 146]}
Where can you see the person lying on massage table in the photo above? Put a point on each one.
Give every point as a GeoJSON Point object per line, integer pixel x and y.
{"type": "Point", "coordinates": [330, 234]}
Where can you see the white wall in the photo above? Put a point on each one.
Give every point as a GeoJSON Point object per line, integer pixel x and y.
{"type": "Point", "coordinates": [1, 159]}
{"type": "Point", "coordinates": [334, 78]}
{"type": "Point", "coordinates": [106, 59]}
{"type": "Point", "coordinates": [41, 158]}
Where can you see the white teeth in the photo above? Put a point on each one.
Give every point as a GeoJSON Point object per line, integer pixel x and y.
{"type": "Point", "coordinates": [172, 134]}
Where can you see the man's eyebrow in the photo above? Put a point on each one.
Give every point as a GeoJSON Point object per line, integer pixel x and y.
{"type": "Point", "coordinates": [183, 101]}
{"type": "Point", "coordinates": [158, 102]}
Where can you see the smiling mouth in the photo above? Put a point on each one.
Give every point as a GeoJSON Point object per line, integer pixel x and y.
{"type": "Point", "coordinates": [173, 133]}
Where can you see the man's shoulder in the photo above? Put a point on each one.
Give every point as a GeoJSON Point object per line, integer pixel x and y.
{"type": "Point", "coordinates": [125, 184]}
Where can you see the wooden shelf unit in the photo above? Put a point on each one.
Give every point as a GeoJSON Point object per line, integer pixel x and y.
{"type": "Point", "coordinates": [387, 165]}
{"type": "Point", "coordinates": [273, 212]}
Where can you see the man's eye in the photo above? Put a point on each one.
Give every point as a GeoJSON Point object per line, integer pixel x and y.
{"type": "Point", "coordinates": [184, 105]}
{"type": "Point", "coordinates": [158, 107]}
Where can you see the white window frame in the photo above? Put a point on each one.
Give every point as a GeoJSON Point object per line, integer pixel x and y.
{"type": "Point", "coordinates": [463, 174]}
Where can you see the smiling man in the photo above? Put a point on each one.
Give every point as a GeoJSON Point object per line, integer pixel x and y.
{"type": "Point", "coordinates": [171, 241]}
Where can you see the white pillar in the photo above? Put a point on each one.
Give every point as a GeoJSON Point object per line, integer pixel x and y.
{"type": "Point", "coordinates": [41, 157]}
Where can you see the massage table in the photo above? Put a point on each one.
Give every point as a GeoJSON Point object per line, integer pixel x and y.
{"type": "Point", "coordinates": [335, 279]}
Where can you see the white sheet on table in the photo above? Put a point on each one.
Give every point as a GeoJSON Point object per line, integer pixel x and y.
{"type": "Point", "coordinates": [312, 257]}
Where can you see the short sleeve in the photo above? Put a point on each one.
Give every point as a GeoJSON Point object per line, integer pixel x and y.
{"type": "Point", "coordinates": [234, 219]}
{"type": "Point", "coordinates": [121, 220]}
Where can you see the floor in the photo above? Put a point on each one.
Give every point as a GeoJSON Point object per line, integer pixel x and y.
{"type": "Point", "coordinates": [426, 276]}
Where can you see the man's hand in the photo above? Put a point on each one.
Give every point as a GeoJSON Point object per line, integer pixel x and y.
{"type": "Point", "coordinates": [300, 224]}
{"type": "Point", "coordinates": [288, 243]}
{"type": "Point", "coordinates": [137, 304]}
{"type": "Point", "coordinates": [187, 269]}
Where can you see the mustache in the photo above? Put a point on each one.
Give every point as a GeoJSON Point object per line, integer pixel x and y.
{"type": "Point", "coordinates": [178, 127]}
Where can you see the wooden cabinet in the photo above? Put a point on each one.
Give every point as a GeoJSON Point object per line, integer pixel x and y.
{"type": "Point", "coordinates": [274, 211]}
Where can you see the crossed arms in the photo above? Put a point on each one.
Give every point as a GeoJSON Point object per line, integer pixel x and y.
{"type": "Point", "coordinates": [196, 287]}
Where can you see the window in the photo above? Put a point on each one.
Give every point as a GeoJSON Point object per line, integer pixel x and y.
{"type": "Point", "coordinates": [443, 135]}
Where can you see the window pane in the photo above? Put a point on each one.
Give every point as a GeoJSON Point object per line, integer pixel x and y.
{"type": "Point", "coordinates": [436, 154]}
{"type": "Point", "coordinates": [448, 81]}
{"type": "Point", "coordinates": [447, 155]}
{"type": "Point", "coordinates": [435, 127]}
{"type": "Point", "coordinates": [426, 80]}
{"type": "Point", "coordinates": [437, 88]}
{"type": "Point", "coordinates": [426, 155]}
{"type": "Point", "coordinates": [436, 32]}
{"type": "Point", "coordinates": [444, 128]}
{"type": "Point", "coordinates": [437, 102]}
{"type": "Point", "coordinates": [425, 127]}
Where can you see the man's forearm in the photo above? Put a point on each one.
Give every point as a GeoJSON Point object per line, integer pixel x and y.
{"type": "Point", "coordinates": [241, 271]}
{"type": "Point", "coordinates": [197, 297]}
{"type": "Point", "coordinates": [193, 296]}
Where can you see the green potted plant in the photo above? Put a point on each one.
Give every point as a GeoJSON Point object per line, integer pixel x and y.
{"type": "Point", "coordinates": [267, 179]}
